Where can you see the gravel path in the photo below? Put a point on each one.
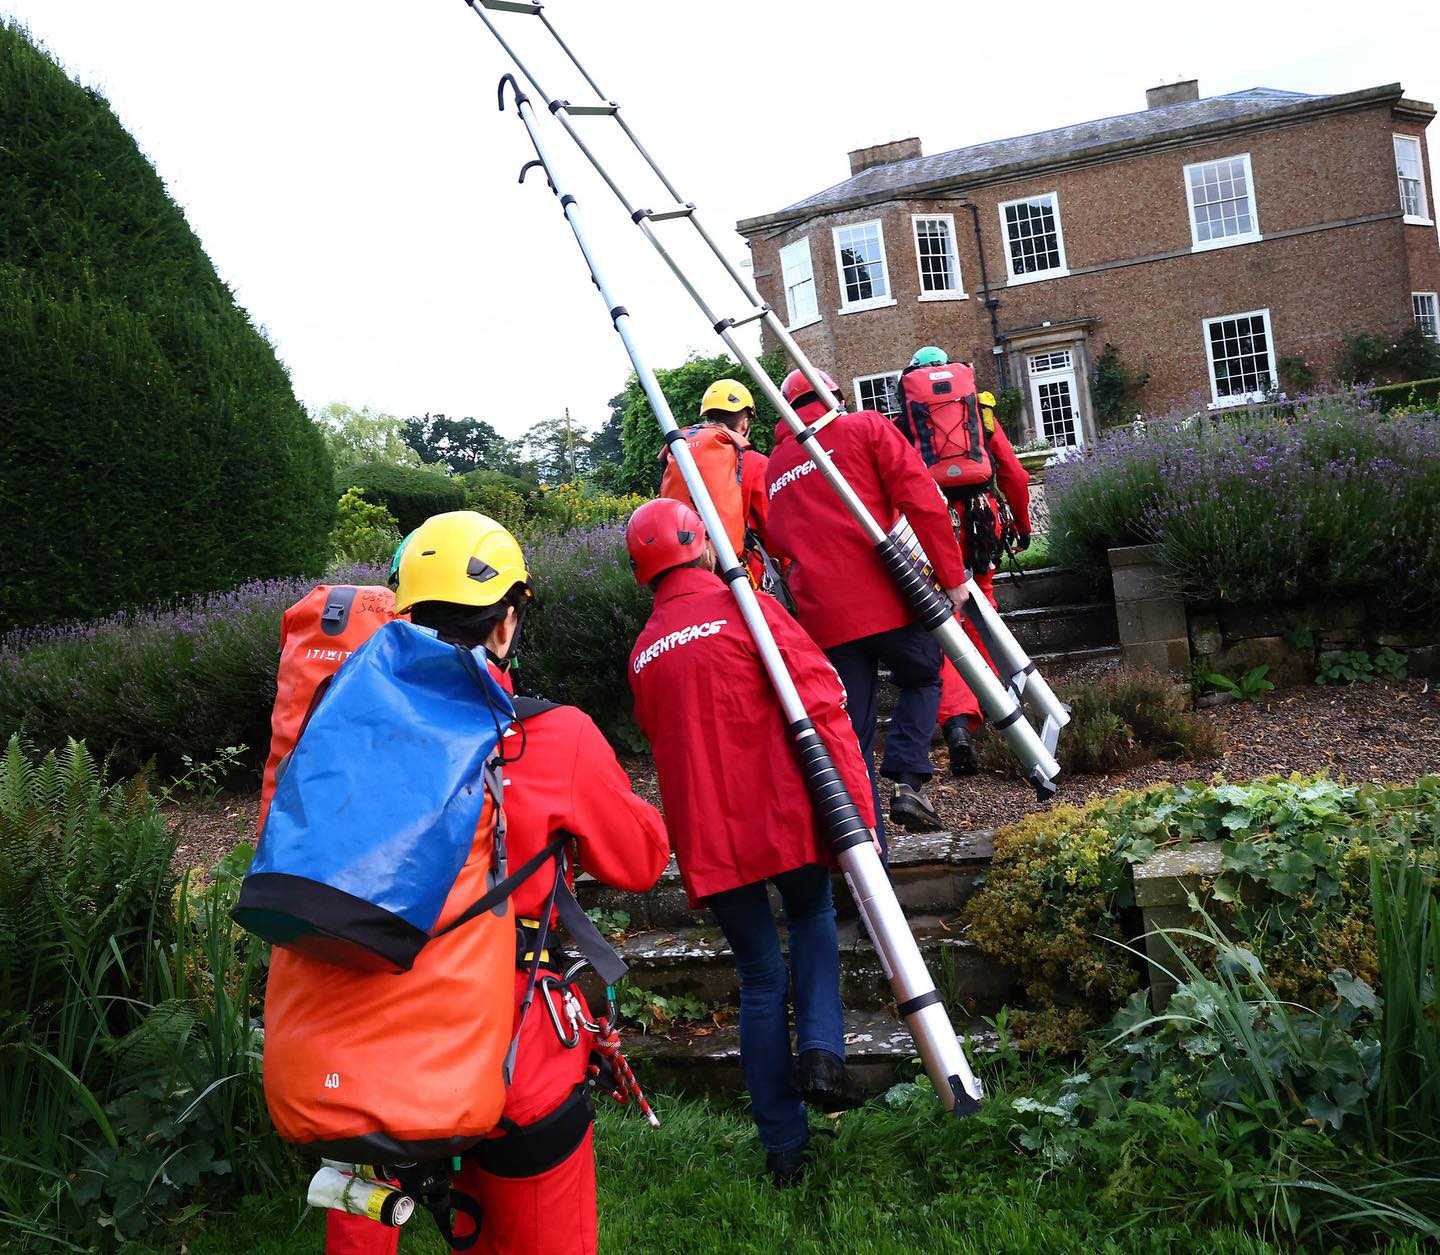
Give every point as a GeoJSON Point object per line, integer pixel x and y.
{"type": "Point", "coordinates": [1380, 732]}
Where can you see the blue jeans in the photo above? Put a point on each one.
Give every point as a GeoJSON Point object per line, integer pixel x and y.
{"type": "Point", "coordinates": [766, 1060]}
{"type": "Point", "coordinates": [914, 657]}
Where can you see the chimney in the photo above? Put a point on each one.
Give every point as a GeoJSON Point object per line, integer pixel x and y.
{"type": "Point", "coordinates": [1172, 93]}
{"type": "Point", "coordinates": [883, 154]}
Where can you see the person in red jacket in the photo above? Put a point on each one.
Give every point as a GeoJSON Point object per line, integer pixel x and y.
{"type": "Point", "coordinates": [733, 472]}
{"type": "Point", "coordinates": [739, 814]}
{"type": "Point", "coordinates": [846, 599]}
{"type": "Point", "coordinates": [535, 1180]}
{"type": "Point", "coordinates": [959, 712]}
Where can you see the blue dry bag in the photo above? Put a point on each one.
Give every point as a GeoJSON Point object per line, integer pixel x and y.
{"type": "Point", "coordinates": [377, 809]}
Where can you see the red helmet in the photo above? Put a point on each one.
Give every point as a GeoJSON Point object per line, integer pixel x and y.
{"type": "Point", "coordinates": [797, 391]}
{"type": "Point", "coordinates": [662, 534]}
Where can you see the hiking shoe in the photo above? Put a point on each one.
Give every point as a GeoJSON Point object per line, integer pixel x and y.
{"type": "Point", "coordinates": [962, 753]}
{"type": "Point", "coordinates": [912, 810]}
{"type": "Point", "coordinates": [824, 1082]}
{"type": "Point", "coordinates": [787, 1167]}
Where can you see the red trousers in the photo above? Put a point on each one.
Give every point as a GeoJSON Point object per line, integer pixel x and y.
{"type": "Point", "coordinates": [552, 1213]}
{"type": "Point", "coordinates": [955, 695]}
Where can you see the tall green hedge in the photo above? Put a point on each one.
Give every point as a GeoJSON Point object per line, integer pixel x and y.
{"type": "Point", "coordinates": [411, 495]}
{"type": "Point", "coordinates": [154, 447]}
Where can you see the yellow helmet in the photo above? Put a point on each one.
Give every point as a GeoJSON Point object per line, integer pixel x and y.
{"type": "Point", "coordinates": [462, 557]}
{"type": "Point", "coordinates": [986, 398]}
{"type": "Point", "coordinates": [729, 395]}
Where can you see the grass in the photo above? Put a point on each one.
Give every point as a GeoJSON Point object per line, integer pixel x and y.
{"type": "Point", "coordinates": [1031, 559]}
{"type": "Point", "coordinates": [896, 1181]}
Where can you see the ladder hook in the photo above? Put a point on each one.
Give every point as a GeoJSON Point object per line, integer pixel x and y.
{"type": "Point", "coordinates": [520, 97]}
{"type": "Point", "coordinates": [530, 165]}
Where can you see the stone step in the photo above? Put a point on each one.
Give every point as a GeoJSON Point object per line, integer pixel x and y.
{"type": "Point", "coordinates": [1064, 629]}
{"type": "Point", "coordinates": [1047, 586]}
{"type": "Point", "coordinates": [877, 1047]}
{"type": "Point", "coordinates": [932, 872]}
{"type": "Point", "coordinates": [698, 962]}
{"type": "Point", "coordinates": [1076, 655]}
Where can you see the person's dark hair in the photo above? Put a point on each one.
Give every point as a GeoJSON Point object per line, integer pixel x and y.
{"type": "Point", "coordinates": [467, 626]}
{"type": "Point", "coordinates": [727, 418]}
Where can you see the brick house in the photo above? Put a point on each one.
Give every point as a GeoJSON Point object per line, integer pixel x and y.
{"type": "Point", "coordinates": [1205, 238]}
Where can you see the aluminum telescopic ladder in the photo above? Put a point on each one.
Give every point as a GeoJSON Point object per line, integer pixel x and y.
{"type": "Point", "coordinates": [999, 703]}
{"type": "Point", "coordinates": [918, 1001]}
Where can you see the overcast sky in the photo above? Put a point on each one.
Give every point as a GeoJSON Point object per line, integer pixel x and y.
{"type": "Point", "coordinates": [346, 168]}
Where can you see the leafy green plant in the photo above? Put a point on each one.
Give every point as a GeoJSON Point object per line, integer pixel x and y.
{"type": "Point", "coordinates": [650, 1011]}
{"type": "Point", "coordinates": [203, 780]}
{"type": "Point", "coordinates": [130, 1090]}
{"type": "Point", "coordinates": [1250, 687]}
{"type": "Point", "coordinates": [612, 924]}
{"type": "Point", "coordinates": [1389, 358]}
{"type": "Point", "coordinates": [1295, 371]}
{"type": "Point", "coordinates": [1114, 387]}
{"type": "Point", "coordinates": [1350, 666]}
{"type": "Point", "coordinates": [364, 532]}
{"type": "Point", "coordinates": [1058, 902]}
{"type": "Point", "coordinates": [410, 494]}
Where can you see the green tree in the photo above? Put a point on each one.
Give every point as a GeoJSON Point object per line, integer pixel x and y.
{"type": "Point", "coordinates": [683, 387]}
{"type": "Point", "coordinates": [555, 450]}
{"type": "Point", "coordinates": [153, 444]}
{"type": "Point", "coordinates": [354, 436]}
{"type": "Point", "coordinates": [459, 444]}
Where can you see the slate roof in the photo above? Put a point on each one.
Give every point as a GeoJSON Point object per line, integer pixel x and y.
{"type": "Point", "coordinates": [1062, 143]}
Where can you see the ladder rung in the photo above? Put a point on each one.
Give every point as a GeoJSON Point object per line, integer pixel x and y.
{"type": "Point", "coordinates": [512, 6]}
{"type": "Point", "coordinates": [605, 110]}
{"type": "Point", "coordinates": [684, 211]}
{"type": "Point", "coordinates": [753, 316]}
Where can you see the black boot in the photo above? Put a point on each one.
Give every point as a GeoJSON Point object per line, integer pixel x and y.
{"type": "Point", "coordinates": [787, 1168]}
{"type": "Point", "coordinates": [824, 1082]}
{"type": "Point", "coordinates": [962, 753]}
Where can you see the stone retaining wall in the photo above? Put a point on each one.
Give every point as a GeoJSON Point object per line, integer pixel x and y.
{"type": "Point", "coordinates": [1159, 629]}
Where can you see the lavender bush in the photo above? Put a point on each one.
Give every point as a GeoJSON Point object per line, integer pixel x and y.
{"type": "Point", "coordinates": [161, 683]}
{"type": "Point", "coordinates": [192, 678]}
{"type": "Point", "coordinates": [1330, 501]}
{"type": "Point", "coordinates": [588, 613]}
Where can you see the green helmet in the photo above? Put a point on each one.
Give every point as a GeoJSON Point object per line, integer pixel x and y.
{"type": "Point", "coordinates": [930, 356]}
{"type": "Point", "coordinates": [394, 579]}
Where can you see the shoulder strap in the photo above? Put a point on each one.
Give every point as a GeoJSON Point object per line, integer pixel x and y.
{"type": "Point", "coordinates": [530, 707]}
{"type": "Point", "coordinates": [500, 892]}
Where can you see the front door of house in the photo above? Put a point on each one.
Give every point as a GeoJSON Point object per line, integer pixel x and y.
{"type": "Point", "coordinates": [1053, 402]}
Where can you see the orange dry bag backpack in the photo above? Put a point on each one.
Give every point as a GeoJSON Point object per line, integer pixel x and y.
{"type": "Point", "coordinates": [719, 454]}
{"type": "Point", "coordinates": [381, 880]}
{"type": "Point", "coordinates": [317, 634]}
{"type": "Point", "coordinates": [941, 418]}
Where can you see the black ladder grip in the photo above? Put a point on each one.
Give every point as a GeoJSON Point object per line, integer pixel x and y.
{"type": "Point", "coordinates": [930, 606]}
{"type": "Point", "coordinates": [839, 816]}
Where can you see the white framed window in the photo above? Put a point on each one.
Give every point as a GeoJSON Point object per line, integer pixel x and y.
{"type": "Point", "coordinates": [1241, 352]}
{"type": "Point", "coordinates": [937, 257]}
{"type": "Point", "coordinates": [860, 263]}
{"type": "Point", "coordinates": [798, 276]}
{"type": "Point", "coordinates": [1410, 170]}
{"type": "Point", "coordinates": [1427, 312]}
{"type": "Point", "coordinates": [1034, 241]}
{"type": "Point", "coordinates": [877, 392]}
{"type": "Point", "coordinates": [1222, 203]}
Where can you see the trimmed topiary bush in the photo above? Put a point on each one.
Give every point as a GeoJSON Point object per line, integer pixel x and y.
{"type": "Point", "coordinates": [412, 496]}
{"type": "Point", "coordinates": [154, 447]}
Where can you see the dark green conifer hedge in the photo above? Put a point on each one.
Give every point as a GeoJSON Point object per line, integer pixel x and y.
{"type": "Point", "coordinates": [410, 494]}
{"type": "Point", "coordinates": [153, 445]}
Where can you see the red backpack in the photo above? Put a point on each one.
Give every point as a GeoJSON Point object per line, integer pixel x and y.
{"type": "Point", "coordinates": [941, 418]}
{"type": "Point", "coordinates": [317, 634]}
{"type": "Point", "coordinates": [720, 455]}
